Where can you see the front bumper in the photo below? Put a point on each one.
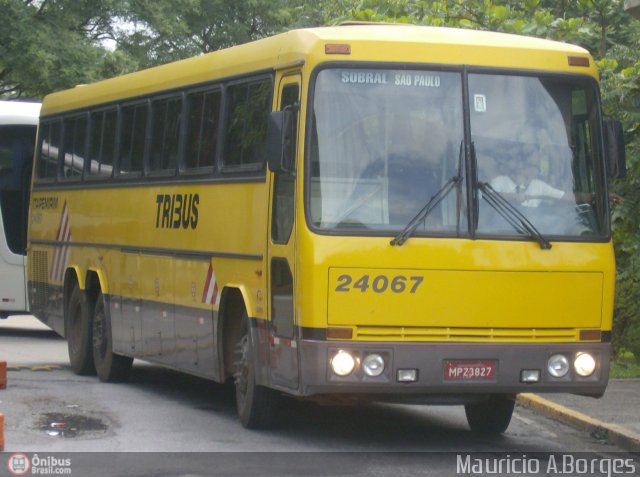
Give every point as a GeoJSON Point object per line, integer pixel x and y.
{"type": "Point", "coordinates": [317, 377]}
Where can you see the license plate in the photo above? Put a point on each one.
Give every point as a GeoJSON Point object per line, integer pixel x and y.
{"type": "Point", "coordinates": [470, 370]}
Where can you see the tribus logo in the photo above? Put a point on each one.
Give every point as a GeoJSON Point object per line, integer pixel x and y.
{"type": "Point", "coordinates": [19, 464]}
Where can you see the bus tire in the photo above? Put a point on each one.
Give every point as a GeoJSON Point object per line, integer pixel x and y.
{"type": "Point", "coordinates": [491, 416]}
{"type": "Point", "coordinates": [79, 333]}
{"type": "Point", "coordinates": [110, 367]}
{"type": "Point", "coordinates": [256, 405]}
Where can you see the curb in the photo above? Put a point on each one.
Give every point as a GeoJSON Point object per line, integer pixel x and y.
{"type": "Point", "coordinates": [611, 433]}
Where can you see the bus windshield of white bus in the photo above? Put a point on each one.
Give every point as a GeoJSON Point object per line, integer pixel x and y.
{"type": "Point", "coordinates": [385, 141]}
{"type": "Point", "coordinates": [16, 152]}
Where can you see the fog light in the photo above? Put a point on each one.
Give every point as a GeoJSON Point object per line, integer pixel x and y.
{"type": "Point", "coordinates": [343, 363]}
{"type": "Point", "coordinates": [373, 365]}
{"type": "Point", "coordinates": [530, 376]}
{"type": "Point", "coordinates": [407, 375]}
{"type": "Point", "coordinates": [584, 364]}
{"type": "Point", "coordinates": [558, 365]}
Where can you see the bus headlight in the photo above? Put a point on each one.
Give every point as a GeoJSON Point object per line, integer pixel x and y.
{"type": "Point", "coordinates": [373, 365]}
{"type": "Point", "coordinates": [584, 364]}
{"type": "Point", "coordinates": [343, 363]}
{"type": "Point", "coordinates": [558, 365]}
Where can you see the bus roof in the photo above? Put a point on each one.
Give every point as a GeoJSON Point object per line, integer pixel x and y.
{"type": "Point", "coordinates": [17, 112]}
{"type": "Point", "coordinates": [390, 43]}
{"type": "Point", "coordinates": [404, 32]}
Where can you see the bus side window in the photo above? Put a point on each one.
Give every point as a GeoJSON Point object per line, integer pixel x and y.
{"type": "Point", "coordinates": [108, 151]}
{"type": "Point", "coordinates": [165, 135]}
{"type": "Point", "coordinates": [46, 167]}
{"type": "Point", "coordinates": [132, 139]}
{"type": "Point", "coordinates": [202, 130]}
{"type": "Point", "coordinates": [102, 143]}
{"type": "Point", "coordinates": [248, 108]}
{"type": "Point", "coordinates": [75, 141]}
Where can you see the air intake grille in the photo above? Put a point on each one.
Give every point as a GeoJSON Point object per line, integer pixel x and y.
{"type": "Point", "coordinates": [382, 333]}
{"type": "Point", "coordinates": [39, 262]}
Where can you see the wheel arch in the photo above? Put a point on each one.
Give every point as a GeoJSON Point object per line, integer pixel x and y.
{"type": "Point", "coordinates": [232, 308]}
{"type": "Point", "coordinates": [90, 282]}
{"type": "Point", "coordinates": [234, 303]}
{"type": "Point", "coordinates": [94, 284]}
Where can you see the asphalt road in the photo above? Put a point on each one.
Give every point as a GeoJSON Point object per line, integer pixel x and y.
{"type": "Point", "coordinates": [164, 415]}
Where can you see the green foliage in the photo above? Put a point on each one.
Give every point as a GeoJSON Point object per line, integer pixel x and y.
{"type": "Point", "coordinates": [52, 45]}
{"type": "Point", "coordinates": [624, 369]}
{"type": "Point", "coordinates": [620, 72]}
{"type": "Point", "coordinates": [594, 24]}
{"type": "Point", "coordinates": [48, 45]}
{"type": "Point", "coordinates": [168, 30]}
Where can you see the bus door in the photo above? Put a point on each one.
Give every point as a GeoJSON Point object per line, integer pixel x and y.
{"type": "Point", "coordinates": [281, 244]}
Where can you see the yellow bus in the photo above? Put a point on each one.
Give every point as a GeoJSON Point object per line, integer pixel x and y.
{"type": "Point", "coordinates": [359, 212]}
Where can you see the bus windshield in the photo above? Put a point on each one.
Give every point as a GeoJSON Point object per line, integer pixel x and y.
{"type": "Point", "coordinates": [16, 152]}
{"type": "Point", "coordinates": [537, 143]}
{"type": "Point", "coordinates": [384, 142]}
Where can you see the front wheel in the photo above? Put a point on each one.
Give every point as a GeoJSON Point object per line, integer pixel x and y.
{"type": "Point", "coordinates": [256, 405]}
{"type": "Point", "coordinates": [79, 333]}
{"type": "Point", "coordinates": [110, 367]}
{"type": "Point", "coordinates": [491, 416]}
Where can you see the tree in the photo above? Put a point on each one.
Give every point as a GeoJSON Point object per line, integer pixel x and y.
{"type": "Point", "coordinates": [621, 98]}
{"type": "Point", "coordinates": [167, 30]}
{"type": "Point", "coordinates": [49, 45]}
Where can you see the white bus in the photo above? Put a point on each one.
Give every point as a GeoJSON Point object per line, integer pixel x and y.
{"type": "Point", "coordinates": [18, 123]}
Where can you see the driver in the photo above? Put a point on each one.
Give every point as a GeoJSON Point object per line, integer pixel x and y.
{"type": "Point", "coordinates": [523, 181]}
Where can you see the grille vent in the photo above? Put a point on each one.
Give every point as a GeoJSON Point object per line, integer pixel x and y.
{"type": "Point", "coordinates": [465, 334]}
{"type": "Point", "coordinates": [40, 279]}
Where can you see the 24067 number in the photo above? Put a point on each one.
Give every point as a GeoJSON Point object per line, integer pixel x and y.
{"type": "Point", "coordinates": [379, 284]}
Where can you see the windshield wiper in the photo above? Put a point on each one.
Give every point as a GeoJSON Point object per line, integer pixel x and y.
{"type": "Point", "coordinates": [438, 197]}
{"type": "Point", "coordinates": [512, 215]}
{"type": "Point", "coordinates": [426, 210]}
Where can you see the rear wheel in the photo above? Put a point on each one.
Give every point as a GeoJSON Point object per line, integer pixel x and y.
{"type": "Point", "coordinates": [491, 416]}
{"type": "Point", "coordinates": [257, 405]}
{"type": "Point", "coordinates": [111, 367]}
{"type": "Point", "coordinates": [79, 332]}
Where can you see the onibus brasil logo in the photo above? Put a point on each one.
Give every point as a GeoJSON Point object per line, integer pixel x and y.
{"type": "Point", "coordinates": [19, 464]}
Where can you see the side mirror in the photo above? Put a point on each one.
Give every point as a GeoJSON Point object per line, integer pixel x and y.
{"type": "Point", "coordinates": [280, 141]}
{"type": "Point", "coordinates": [614, 149]}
